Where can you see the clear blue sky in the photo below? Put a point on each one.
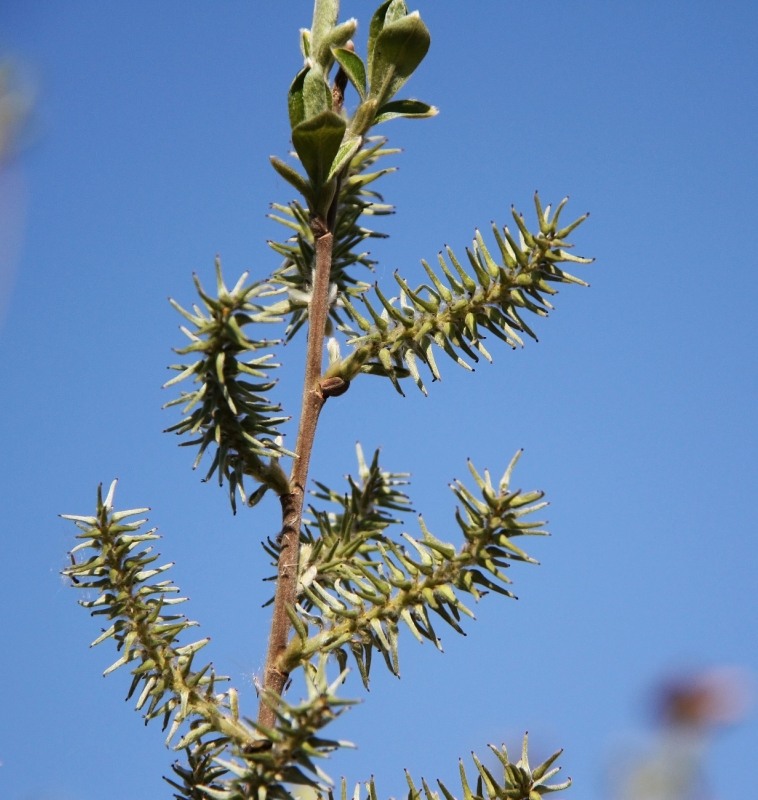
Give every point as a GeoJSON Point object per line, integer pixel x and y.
{"type": "Point", "coordinates": [148, 154]}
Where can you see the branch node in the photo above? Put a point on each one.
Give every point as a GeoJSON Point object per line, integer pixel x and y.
{"type": "Point", "coordinates": [333, 387]}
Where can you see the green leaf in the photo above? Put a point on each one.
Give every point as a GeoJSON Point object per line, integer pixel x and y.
{"type": "Point", "coordinates": [292, 176]}
{"type": "Point", "coordinates": [324, 19]}
{"type": "Point", "coordinates": [347, 150]}
{"type": "Point", "coordinates": [398, 50]}
{"type": "Point", "coordinates": [413, 109]}
{"type": "Point", "coordinates": [295, 101]}
{"type": "Point", "coordinates": [353, 67]}
{"type": "Point", "coordinates": [317, 96]}
{"type": "Point", "coordinates": [397, 10]}
{"type": "Point", "coordinates": [317, 141]}
{"type": "Point", "coordinates": [364, 116]}
{"type": "Point", "coordinates": [339, 36]}
{"type": "Point", "coordinates": [375, 28]}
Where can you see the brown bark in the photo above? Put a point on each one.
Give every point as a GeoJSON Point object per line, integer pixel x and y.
{"type": "Point", "coordinates": [274, 676]}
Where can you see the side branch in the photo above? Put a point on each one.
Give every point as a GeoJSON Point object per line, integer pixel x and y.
{"type": "Point", "coordinates": [274, 677]}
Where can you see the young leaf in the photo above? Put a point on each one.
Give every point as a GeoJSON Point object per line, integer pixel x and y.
{"type": "Point", "coordinates": [324, 20]}
{"type": "Point", "coordinates": [398, 50]}
{"type": "Point", "coordinates": [317, 141]}
{"type": "Point", "coordinates": [317, 96]}
{"type": "Point", "coordinates": [295, 99]}
{"type": "Point", "coordinates": [293, 177]}
{"type": "Point", "coordinates": [412, 109]}
{"type": "Point", "coordinates": [354, 68]}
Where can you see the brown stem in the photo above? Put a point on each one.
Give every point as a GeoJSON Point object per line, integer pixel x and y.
{"type": "Point", "coordinates": [275, 678]}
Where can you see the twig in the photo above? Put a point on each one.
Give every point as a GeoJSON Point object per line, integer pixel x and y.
{"type": "Point", "coordinates": [275, 678]}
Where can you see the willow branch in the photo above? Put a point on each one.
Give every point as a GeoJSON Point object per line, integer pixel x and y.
{"type": "Point", "coordinates": [274, 676]}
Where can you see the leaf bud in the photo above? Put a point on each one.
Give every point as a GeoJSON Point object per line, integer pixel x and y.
{"type": "Point", "coordinates": [334, 386]}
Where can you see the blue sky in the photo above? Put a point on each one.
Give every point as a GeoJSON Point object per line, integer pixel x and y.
{"type": "Point", "coordinates": [147, 154]}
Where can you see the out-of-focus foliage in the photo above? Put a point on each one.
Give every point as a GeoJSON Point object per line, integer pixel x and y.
{"type": "Point", "coordinates": [16, 103]}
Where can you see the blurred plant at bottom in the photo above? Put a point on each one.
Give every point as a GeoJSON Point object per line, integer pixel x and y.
{"type": "Point", "coordinates": [690, 711]}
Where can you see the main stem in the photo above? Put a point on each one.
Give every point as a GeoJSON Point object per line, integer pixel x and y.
{"type": "Point", "coordinates": [274, 677]}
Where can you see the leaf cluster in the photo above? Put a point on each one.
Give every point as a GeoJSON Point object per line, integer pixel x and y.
{"type": "Point", "coordinates": [227, 756]}
{"type": "Point", "coordinates": [227, 406]}
{"type": "Point", "coordinates": [270, 767]}
{"type": "Point", "coordinates": [519, 781]}
{"type": "Point", "coordinates": [115, 560]}
{"type": "Point", "coordinates": [357, 200]}
{"type": "Point", "coordinates": [457, 309]}
{"type": "Point", "coordinates": [358, 585]}
{"type": "Point", "coordinates": [324, 140]}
